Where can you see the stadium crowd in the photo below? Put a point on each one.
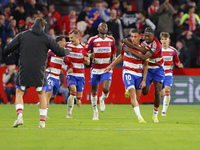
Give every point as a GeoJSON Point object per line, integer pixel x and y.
{"type": "Point", "coordinates": [179, 18]}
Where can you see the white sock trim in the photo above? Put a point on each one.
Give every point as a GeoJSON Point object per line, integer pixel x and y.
{"type": "Point", "coordinates": [43, 111]}
{"type": "Point", "coordinates": [19, 106]}
{"type": "Point", "coordinates": [137, 112]}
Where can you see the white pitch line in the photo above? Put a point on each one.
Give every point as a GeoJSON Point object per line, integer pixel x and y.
{"type": "Point", "coordinates": [105, 129]}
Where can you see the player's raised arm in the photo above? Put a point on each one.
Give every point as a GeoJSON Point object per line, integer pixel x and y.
{"type": "Point", "coordinates": [55, 48]}
{"type": "Point", "coordinates": [114, 63]}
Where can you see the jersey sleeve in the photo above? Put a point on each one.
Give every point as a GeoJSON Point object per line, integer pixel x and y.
{"type": "Point", "coordinates": [122, 49]}
{"type": "Point", "coordinates": [156, 47]}
{"type": "Point", "coordinates": [175, 57]}
{"type": "Point", "coordinates": [89, 45]}
{"type": "Point", "coordinates": [68, 62]}
{"type": "Point", "coordinates": [50, 53]}
{"type": "Point", "coordinates": [84, 52]}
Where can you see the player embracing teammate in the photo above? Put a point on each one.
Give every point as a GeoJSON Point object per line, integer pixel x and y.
{"type": "Point", "coordinates": [152, 49]}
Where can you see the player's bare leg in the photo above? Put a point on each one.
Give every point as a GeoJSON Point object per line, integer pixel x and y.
{"type": "Point", "coordinates": [43, 108]}
{"type": "Point", "coordinates": [105, 86]}
{"type": "Point", "coordinates": [146, 90]}
{"type": "Point", "coordinates": [48, 95]}
{"type": "Point", "coordinates": [19, 105]}
{"type": "Point", "coordinates": [135, 105]}
{"type": "Point", "coordinates": [94, 102]}
{"type": "Point", "coordinates": [166, 100]}
{"type": "Point", "coordinates": [78, 98]}
{"type": "Point", "coordinates": [158, 88]}
{"type": "Point", "coordinates": [70, 101]}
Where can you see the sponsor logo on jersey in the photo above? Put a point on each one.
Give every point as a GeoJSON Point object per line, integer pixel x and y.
{"type": "Point", "coordinates": [103, 50]}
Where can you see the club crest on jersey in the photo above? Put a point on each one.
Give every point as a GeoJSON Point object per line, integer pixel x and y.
{"type": "Point", "coordinates": [153, 49]}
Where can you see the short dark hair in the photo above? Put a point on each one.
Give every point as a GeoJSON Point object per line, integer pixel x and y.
{"type": "Point", "coordinates": [59, 38]}
{"type": "Point", "coordinates": [164, 35]}
{"type": "Point", "coordinates": [181, 41]}
{"type": "Point", "coordinates": [41, 21]}
{"type": "Point", "coordinates": [134, 30]}
{"type": "Point", "coordinates": [143, 12]}
{"type": "Point", "coordinates": [148, 29]}
{"type": "Point", "coordinates": [74, 31]}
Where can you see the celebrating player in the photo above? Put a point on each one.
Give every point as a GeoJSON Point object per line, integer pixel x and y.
{"type": "Point", "coordinates": [76, 79]}
{"type": "Point", "coordinates": [132, 73]}
{"type": "Point", "coordinates": [153, 50]}
{"type": "Point", "coordinates": [53, 70]}
{"type": "Point", "coordinates": [34, 45]}
{"type": "Point", "coordinates": [169, 54]}
{"type": "Point", "coordinates": [102, 47]}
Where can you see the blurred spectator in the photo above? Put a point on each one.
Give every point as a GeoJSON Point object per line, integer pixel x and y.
{"type": "Point", "coordinates": [35, 15]}
{"type": "Point", "coordinates": [43, 15]}
{"type": "Point", "coordinates": [116, 6]}
{"type": "Point", "coordinates": [53, 19]}
{"type": "Point", "coordinates": [11, 29]}
{"type": "Point", "coordinates": [190, 20]}
{"type": "Point", "coordinates": [96, 16]}
{"type": "Point", "coordinates": [21, 26]}
{"type": "Point", "coordinates": [165, 19]}
{"type": "Point", "coordinates": [178, 28]}
{"type": "Point", "coordinates": [7, 12]}
{"type": "Point", "coordinates": [123, 5]}
{"type": "Point", "coordinates": [19, 13]}
{"type": "Point", "coordinates": [29, 7]}
{"type": "Point", "coordinates": [9, 82]}
{"type": "Point", "coordinates": [69, 22]}
{"type": "Point", "coordinates": [12, 5]}
{"type": "Point", "coordinates": [183, 53]}
{"type": "Point", "coordinates": [2, 28]}
{"type": "Point", "coordinates": [82, 27]}
{"type": "Point", "coordinates": [129, 19]}
{"type": "Point", "coordinates": [154, 7]}
{"type": "Point", "coordinates": [52, 33]}
{"type": "Point", "coordinates": [29, 22]}
{"type": "Point", "coordinates": [4, 2]}
{"type": "Point", "coordinates": [144, 22]}
{"type": "Point", "coordinates": [115, 26]}
{"type": "Point", "coordinates": [192, 42]}
{"type": "Point", "coordinates": [83, 16]}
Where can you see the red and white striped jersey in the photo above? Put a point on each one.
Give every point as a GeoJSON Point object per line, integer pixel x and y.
{"type": "Point", "coordinates": [169, 56]}
{"type": "Point", "coordinates": [132, 64]}
{"type": "Point", "coordinates": [156, 60]}
{"type": "Point", "coordinates": [54, 64]}
{"type": "Point", "coordinates": [103, 49]}
{"type": "Point", "coordinates": [76, 57]}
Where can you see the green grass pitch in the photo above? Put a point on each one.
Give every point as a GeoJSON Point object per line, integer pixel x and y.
{"type": "Point", "coordinates": [117, 129]}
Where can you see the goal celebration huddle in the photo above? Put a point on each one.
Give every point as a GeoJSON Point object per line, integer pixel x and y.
{"type": "Point", "coordinates": [146, 60]}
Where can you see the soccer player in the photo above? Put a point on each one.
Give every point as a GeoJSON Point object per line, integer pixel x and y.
{"type": "Point", "coordinates": [151, 49]}
{"type": "Point", "coordinates": [53, 70]}
{"type": "Point", "coordinates": [102, 47]}
{"type": "Point", "coordinates": [133, 76]}
{"type": "Point", "coordinates": [169, 54]}
{"type": "Point", "coordinates": [76, 79]}
{"type": "Point", "coordinates": [34, 45]}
